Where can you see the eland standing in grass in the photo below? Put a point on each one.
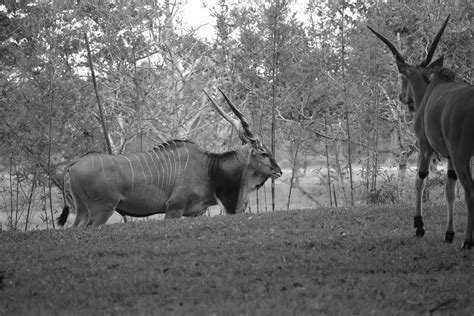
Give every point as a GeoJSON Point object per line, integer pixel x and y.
{"type": "Point", "coordinates": [444, 123]}
{"type": "Point", "coordinates": [176, 178]}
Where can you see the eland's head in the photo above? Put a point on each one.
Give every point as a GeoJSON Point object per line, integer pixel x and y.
{"type": "Point", "coordinates": [261, 164]}
{"type": "Point", "coordinates": [409, 73]}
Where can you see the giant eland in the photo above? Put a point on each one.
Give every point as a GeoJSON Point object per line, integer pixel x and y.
{"type": "Point", "coordinates": [444, 123]}
{"type": "Point", "coordinates": [177, 178]}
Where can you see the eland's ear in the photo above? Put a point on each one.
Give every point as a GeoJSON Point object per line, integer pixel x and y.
{"type": "Point", "coordinates": [402, 67]}
{"type": "Point", "coordinates": [438, 63]}
{"type": "Point", "coordinates": [435, 66]}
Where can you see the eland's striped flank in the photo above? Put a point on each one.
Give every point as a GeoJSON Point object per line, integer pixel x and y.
{"type": "Point", "coordinates": [176, 178]}
{"type": "Point", "coordinates": [444, 123]}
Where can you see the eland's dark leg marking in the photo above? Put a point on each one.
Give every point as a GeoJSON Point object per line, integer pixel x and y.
{"type": "Point", "coordinates": [423, 174]}
{"type": "Point", "coordinates": [452, 174]}
{"type": "Point", "coordinates": [450, 196]}
{"type": "Point", "coordinates": [418, 224]}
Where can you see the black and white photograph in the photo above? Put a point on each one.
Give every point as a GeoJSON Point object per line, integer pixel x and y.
{"type": "Point", "coordinates": [233, 157]}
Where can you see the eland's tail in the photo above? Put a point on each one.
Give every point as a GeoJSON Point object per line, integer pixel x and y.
{"type": "Point", "coordinates": [61, 220]}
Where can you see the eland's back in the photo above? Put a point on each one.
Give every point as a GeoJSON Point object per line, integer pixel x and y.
{"type": "Point", "coordinates": [448, 115]}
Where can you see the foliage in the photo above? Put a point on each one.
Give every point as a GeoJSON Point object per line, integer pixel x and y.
{"type": "Point", "coordinates": [151, 72]}
{"type": "Point", "coordinates": [387, 193]}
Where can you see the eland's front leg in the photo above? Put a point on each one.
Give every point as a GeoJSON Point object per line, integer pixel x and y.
{"type": "Point", "coordinates": [423, 167]}
{"type": "Point", "coordinates": [418, 218]}
{"type": "Point", "coordinates": [468, 243]}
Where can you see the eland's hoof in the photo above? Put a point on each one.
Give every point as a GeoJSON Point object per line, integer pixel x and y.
{"type": "Point", "coordinates": [466, 245]}
{"type": "Point", "coordinates": [449, 237]}
{"type": "Point", "coordinates": [420, 232]}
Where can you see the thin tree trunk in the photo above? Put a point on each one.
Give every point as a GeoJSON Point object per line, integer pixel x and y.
{"type": "Point", "coordinates": [45, 202]}
{"type": "Point", "coordinates": [12, 196]}
{"type": "Point", "coordinates": [293, 169]}
{"type": "Point", "coordinates": [327, 157]}
{"type": "Point", "coordinates": [265, 198]}
{"type": "Point", "coordinates": [137, 102]}
{"type": "Point", "coordinates": [257, 199]}
{"type": "Point", "coordinates": [30, 199]}
{"type": "Point", "coordinates": [338, 165]}
{"type": "Point", "coordinates": [335, 198]}
{"type": "Point", "coordinates": [50, 138]}
{"type": "Point", "coordinates": [274, 78]}
{"type": "Point", "coordinates": [101, 112]}
{"type": "Point", "coordinates": [375, 162]}
{"type": "Point", "coordinates": [376, 142]}
{"type": "Point", "coordinates": [346, 107]}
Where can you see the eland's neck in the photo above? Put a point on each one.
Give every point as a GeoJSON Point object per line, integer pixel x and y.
{"type": "Point", "coordinates": [418, 86]}
{"type": "Point", "coordinates": [227, 171]}
{"type": "Point", "coordinates": [228, 166]}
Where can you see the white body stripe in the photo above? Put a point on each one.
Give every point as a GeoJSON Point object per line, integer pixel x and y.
{"type": "Point", "coordinates": [102, 168]}
{"type": "Point", "coordinates": [169, 169]}
{"type": "Point", "coordinates": [131, 170]}
{"type": "Point", "coordinates": [187, 157]}
{"type": "Point", "coordinates": [165, 168]}
{"type": "Point", "coordinates": [160, 179]}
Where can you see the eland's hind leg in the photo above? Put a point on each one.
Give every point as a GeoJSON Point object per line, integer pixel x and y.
{"type": "Point", "coordinates": [470, 218]}
{"type": "Point", "coordinates": [99, 213]}
{"type": "Point", "coordinates": [463, 172]}
{"type": "Point", "coordinates": [450, 196]}
{"type": "Point", "coordinates": [82, 214]}
{"type": "Point", "coordinates": [174, 207]}
{"type": "Point", "coordinates": [424, 159]}
{"type": "Point", "coordinates": [468, 243]}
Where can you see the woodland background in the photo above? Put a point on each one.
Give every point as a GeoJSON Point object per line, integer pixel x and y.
{"type": "Point", "coordinates": [318, 87]}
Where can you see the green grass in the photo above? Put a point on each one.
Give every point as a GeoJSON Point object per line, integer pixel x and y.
{"type": "Point", "coordinates": [361, 260]}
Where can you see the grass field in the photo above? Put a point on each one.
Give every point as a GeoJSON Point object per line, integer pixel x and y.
{"type": "Point", "coordinates": [361, 260]}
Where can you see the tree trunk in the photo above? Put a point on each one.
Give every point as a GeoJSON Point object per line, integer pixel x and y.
{"type": "Point", "coordinates": [274, 83]}
{"type": "Point", "coordinates": [346, 106]}
{"type": "Point", "coordinates": [327, 157]}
